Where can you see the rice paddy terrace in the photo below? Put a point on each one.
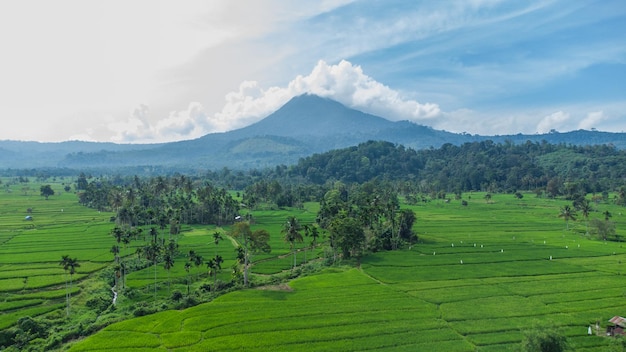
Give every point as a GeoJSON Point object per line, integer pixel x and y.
{"type": "Point", "coordinates": [481, 275]}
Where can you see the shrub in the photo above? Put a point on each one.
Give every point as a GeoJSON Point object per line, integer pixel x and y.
{"type": "Point", "coordinates": [544, 340]}
{"type": "Point", "coordinates": [99, 303]}
{"type": "Point", "coordinates": [177, 295]}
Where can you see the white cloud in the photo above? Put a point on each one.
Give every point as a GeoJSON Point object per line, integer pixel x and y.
{"type": "Point", "coordinates": [344, 82]}
{"type": "Point", "coordinates": [555, 121]}
{"type": "Point", "coordinates": [189, 123]}
{"type": "Point", "coordinates": [592, 120]}
{"type": "Point", "coordinates": [179, 125]}
{"type": "Point", "coordinates": [136, 129]}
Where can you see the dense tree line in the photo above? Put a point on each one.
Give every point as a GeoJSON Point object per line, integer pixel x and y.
{"type": "Point", "coordinates": [477, 166]}
{"type": "Point", "coordinates": [365, 217]}
{"type": "Point", "coordinates": [163, 201]}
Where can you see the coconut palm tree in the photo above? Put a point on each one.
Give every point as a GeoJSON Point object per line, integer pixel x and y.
{"type": "Point", "coordinates": [291, 230]}
{"type": "Point", "coordinates": [215, 265]}
{"type": "Point", "coordinates": [168, 263]}
{"type": "Point", "coordinates": [64, 263]}
{"type": "Point", "coordinates": [72, 265]}
{"type": "Point", "coordinates": [585, 208]}
{"type": "Point", "coordinates": [210, 264]}
{"type": "Point", "coordinates": [217, 237]}
{"type": "Point", "coordinates": [69, 265]}
{"type": "Point", "coordinates": [115, 250]}
{"type": "Point", "coordinates": [197, 261]}
{"type": "Point", "coordinates": [314, 233]}
{"type": "Point", "coordinates": [187, 268]}
{"type": "Point", "coordinates": [152, 253]}
{"type": "Point", "coordinates": [567, 213]}
{"type": "Point", "coordinates": [218, 264]}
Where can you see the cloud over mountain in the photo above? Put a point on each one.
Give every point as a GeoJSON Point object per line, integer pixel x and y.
{"type": "Point", "coordinates": [344, 82]}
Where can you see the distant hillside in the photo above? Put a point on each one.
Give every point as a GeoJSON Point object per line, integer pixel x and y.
{"type": "Point", "coordinates": [305, 125]}
{"type": "Point", "coordinates": [471, 166]}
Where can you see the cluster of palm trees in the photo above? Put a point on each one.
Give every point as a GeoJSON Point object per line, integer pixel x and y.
{"type": "Point", "coordinates": [155, 251]}
{"type": "Point", "coordinates": [585, 208]}
{"type": "Point", "coordinates": [122, 237]}
{"type": "Point", "coordinates": [214, 264]}
{"type": "Point", "coordinates": [161, 201]}
{"type": "Point", "coordinates": [294, 231]}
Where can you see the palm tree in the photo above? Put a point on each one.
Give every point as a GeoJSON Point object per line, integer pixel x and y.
{"type": "Point", "coordinates": [291, 229]}
{"type": "Point", "coordinates": [567, 213]}
{"type": "Point", "coordinates": [64, 262]}
{"type": "Point", "coordinates": [170, 253]}
{"type": "Point", "coordinates": [218, 264]}
{"type": "Point", "coordinates": [217, 237]}
{"type": "Point", "coordinates": [314, 234]}
{"type": "Point", "coordinates": [168, 263]}
{"type": "Point", "coordinates": [69, 265]}
{"type": "Point", "coordinates": [72, 265]}
{"type": "Point", "coordinates": [154, 233]}
{"type": "Point", "coordinates": [192, 256]}
{"type": "Point", "coordinates": [310, 231]}
{"type": "Point", "coordinates": [210, 264]}
{"type": "Point", "coordinates": [585, 208]}
{"type": "Point", "coordinates": [307, 231]}
{"type": "Point", "coordinates": [119, 235]}
{"type": "Point", "coordinates": [128, 236]}
{"type": "Point", "coordinates": [152, 252]}
{"type": "Point", "coordinates": [115, 250]}
{"type": "Point", "coordinates": [242, 260]}
{"type": "Point", "coordinates": [197, 261]}
{"type": "Point", "coordinates": [187, 268]}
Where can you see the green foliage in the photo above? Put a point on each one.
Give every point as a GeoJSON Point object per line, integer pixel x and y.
{"type": "Point", "coordinates": [46, 191]}
{"type": "Point", "coordinates": [485, 166]}
{"type": "Point", "coordinates": [603, 229]}
{"type": "Point", "coordinates": [99, 302]}
{"type": "Point", "coordinates": [618, 344]}
{"type": "Point", "coordinates": [347, 234]}
{"type": "Point", "coordinates": [544, 340]}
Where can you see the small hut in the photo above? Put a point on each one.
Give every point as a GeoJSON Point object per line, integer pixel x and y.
{"type": "Point", "coordinates": [617, 329]}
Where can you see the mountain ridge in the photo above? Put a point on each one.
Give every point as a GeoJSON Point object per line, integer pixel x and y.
{"type": "Point", "coordinates": [305, 125]}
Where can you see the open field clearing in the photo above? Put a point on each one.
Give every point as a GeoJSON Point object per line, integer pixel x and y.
{"type": "Point", "coordinates": [480, 276]}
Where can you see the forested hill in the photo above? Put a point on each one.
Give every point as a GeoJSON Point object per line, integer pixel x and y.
{"type": "Point", "coordinates": [481, 165]}
{"type": "Point", "coordinates": [305, 125]}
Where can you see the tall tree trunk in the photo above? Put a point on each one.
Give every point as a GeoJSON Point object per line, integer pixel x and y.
{"type": "Point", "coordinates": [69, 297]}
{"type": "Point", "coordinates": [155, 281]}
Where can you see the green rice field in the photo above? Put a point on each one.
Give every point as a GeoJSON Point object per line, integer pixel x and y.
{"type": "Point", "coordinates": [480, 276]}
{"type": "Point", "coordinates": [32, 282]}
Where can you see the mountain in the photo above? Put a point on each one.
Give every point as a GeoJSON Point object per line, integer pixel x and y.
{"type": "Point", "coordinates": [311, 115]}
{"type": "Point", "coordinates": [305, 125]}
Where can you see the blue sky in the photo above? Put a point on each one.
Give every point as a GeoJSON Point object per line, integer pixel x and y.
{"type": "Point", "coordinates": [151, 71]}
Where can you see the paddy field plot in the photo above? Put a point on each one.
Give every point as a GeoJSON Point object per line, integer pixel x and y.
{"type": "Point", "coordinates": [480, 276]}
{"type": "Point", "coordinates": [31, 280]}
